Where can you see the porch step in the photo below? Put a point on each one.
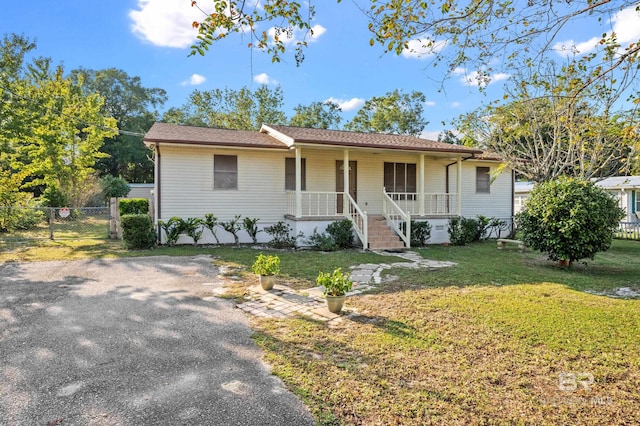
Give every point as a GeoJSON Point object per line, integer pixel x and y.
{"type": "Point", "coordinates": [382, 236]}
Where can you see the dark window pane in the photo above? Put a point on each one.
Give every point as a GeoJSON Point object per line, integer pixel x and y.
{"type": "Point", "coordinates": [400, 177]}
{"type": "Point", "coordinates": [483, 180]}
{"type": "Point", "coordinates": [225, 172]}
{"type": "Point", "coordinates": [290, 174]}
{"type": "Point", "coordinates": [412, 178]}
{"type": "Point", "coordinates": [389, 179]}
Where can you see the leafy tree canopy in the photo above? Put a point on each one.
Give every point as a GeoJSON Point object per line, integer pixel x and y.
{"type": "Point", "coordinates": [318, 115]}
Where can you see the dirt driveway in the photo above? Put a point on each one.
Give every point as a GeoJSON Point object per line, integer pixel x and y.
{"type": "Point", "coordinates": [130, 342]}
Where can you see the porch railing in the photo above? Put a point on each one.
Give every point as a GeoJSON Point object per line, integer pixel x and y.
{"type": "Point", "coordinates": [399, 219]}
{"type": "Point", "coordinates": [358, 218]}
{"type": "Point", "coordinates": [314, 203]}
{"type": "Point", "coordinates": [435, 204]}
{"type": "Point", "coordinates": [628, 231]}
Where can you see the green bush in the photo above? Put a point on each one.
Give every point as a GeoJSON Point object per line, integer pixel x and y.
{"type": "Point", "coordinates": [193, 228]}
{"type": "Point", "coordinates": [322, 242]}
{"type": "Point", "coordinates": [569, 219]}
{"type": "Point", "coordinates": [114, 187]}
{"type": "Point", "coordinates": [464, 230]}
{"type": "Point", "coordinates": [137, 231]}
{"type": "Point", "coordinates": [251, 226]}
{"type": "Point", "coordinates": [420, 233]}
{"type": "Point", "coordinates": [52, 196]}
{"type": "Point", "coordinates": [281, 237]}
{"type": "Point", "coordinates": [133, 206]}
{"type": "Point", "coordinates": [20, 218]}
{"type": "Point", "coordinates": [342, 233]}
{"type": "Point", "coordinates": [172, 229]}
{"type": "Point", "coordinates": [233, 226]}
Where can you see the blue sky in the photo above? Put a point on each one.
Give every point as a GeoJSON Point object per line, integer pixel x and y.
{"type": "Point", "coordinates": [151, 39]}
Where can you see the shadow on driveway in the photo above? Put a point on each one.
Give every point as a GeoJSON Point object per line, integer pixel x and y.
{"type": "Point", "coordinates": [128, 342]}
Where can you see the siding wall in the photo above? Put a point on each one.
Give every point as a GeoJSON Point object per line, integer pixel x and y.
{"type": "Point", "coordinates": [187, 184]}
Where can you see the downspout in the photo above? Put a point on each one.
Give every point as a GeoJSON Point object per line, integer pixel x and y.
{"type": "Point", "coordinates": [158, 192]}
{"type": "Point", "coordinates": [447, 171]}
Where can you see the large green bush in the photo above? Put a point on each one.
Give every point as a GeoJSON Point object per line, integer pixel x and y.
{"type": "Point", "coordinates": [342, 233]}
{"type": "Point", "coordinates": [133, 206]}
{"type": "Point", "coordinates": [569, 219]}
{"type": "Point", "coordinates": [137, 231]}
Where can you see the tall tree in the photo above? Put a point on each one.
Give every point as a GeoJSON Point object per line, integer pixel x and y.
{"type": "Point", "coordinates": [231, 109]}
{"type": "Point", "coordinates": [546, 130]}
{"type": "Point", "coordinates": [396, 112]}
{"type": "Point", "coordinates": [317, 115]}
{"type": "Point", "coordinates": [135, 109]}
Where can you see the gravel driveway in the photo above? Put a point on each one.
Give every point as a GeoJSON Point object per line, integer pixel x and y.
{"type": "Point", "coordinates": [130, 342]}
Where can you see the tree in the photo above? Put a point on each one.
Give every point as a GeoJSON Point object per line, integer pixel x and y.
{"type": "Point", "coordinates": [569, 219]}
{"type": "Point", "coordinates": [231, 109]}
{"type": "Point", "coordinates": [135, 109]}
{"type": "Point", "coordinates": [463, 34]}
{"type": "Point", "coordinates": [547, 131]}
{"type": "Point", "coordinates": [396, 112]}
{"type": "Point", "coordinates": [318, 115]}
{"type": "Point", "coordinates": [447, 136]}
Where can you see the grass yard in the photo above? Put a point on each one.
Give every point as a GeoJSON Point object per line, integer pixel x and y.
{"type": "Point", "coordinates": [502, 338]}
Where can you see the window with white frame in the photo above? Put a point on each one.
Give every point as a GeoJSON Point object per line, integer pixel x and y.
{"type": "Point", "coordinates": [483, 180]}
{"type": "Point", "coordinates": [290, 174]}
{"type": "Point", "coordinates": [400, 177]}
{"type": "Point", "coordinates": [225, 172]}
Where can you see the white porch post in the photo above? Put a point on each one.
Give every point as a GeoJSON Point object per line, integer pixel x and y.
{"type": "Point", "coordinates": [421, 186]}
{"type": "Point", "coordinates": [459, 187]}
{"type": "Point", "coordinates": [345, 165]}
{"type": "Point", "coordinates": [298, 184]}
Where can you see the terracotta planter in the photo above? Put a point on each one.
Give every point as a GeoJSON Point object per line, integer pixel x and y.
{"type": "Point", "coordinates": [335, 303]}
{"type": "Point", "coordinates": [267, 281]}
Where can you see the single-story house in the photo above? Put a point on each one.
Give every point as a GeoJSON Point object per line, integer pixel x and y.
{"type": "Point", "coordinates": [298, 176]}
{"type": "Point", "coordinates": [625, 188]}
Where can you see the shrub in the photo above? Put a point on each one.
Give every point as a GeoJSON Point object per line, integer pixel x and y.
{"type": "Point", "coordinates": [336, 283]}
{"type": "Point", "coordinates": [137, 231]}
{"type": "Point", "coordinates": [251, 226]}
{"type": "Point", "coordinates": [133, 206]}
{"type": "Point", "coordinates": [281, 236]}
{"type": "Point", "coordinates": [172, 229]}
{"type": "Point", "coordinates": [114, 187]}
{"type": "Point", "coordinates": [464, 230]}
{"type": "Point", "coordinates": [322, 242]}
{"type": "Point", "coordinates": [52, 196]}
{"type": "Point", "coordinates": [211, 222]}
{"type": "Point", "coordinates": [233, 226]}
{"type": "Point", "coordinates": [569, 219]}
{"type": "Point", "coordinates": [420, 233]}
{"type": "Point", "coordinates": [193, 228]}
{"type": "Point", "coordinates": [342, 233]}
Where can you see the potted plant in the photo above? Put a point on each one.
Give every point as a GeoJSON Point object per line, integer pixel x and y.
{"type": "Point", "coordinates": [267, 267]}
{"type": "Point", "coordinates": [336, 285]}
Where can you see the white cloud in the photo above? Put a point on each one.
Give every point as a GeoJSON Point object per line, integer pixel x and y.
{"type": "Point", "coordinates": [430, 103]}
{"type": "Point", "coordinates": [626, 26]}
{"type": "Point", "coordinates": [431, 135]}
{"type": "Point", "coordinates": [194, 80]}
{"type": "Point", "coordinates": [347, 104]}
{"type": "Point", "coordinates": [165, 23]}
{"type": "Point", "coordinates": [296, 35]}
{"type": "Point", "coordinates": [422, 49]}
{"type": "Point", "coordinates": [475, 78]}
{"type": "Point", "coordinates": [455, 104]}
{"type": "Point", "coordinates": [264, 78]}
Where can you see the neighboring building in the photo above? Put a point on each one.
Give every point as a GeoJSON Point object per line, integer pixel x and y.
{"type": "Point", "coordinates": [141, 190]}
{"type": "Point", "coordinates": [297, 175]}
{"type": "Point", "coordinates": [625, 188]}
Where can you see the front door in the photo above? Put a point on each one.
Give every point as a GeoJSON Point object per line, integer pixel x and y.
{"type": "Point", "coordinates": [353, 182]}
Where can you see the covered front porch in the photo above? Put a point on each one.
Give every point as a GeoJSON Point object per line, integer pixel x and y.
{"type": "Point", "coordinates": [395, 190]}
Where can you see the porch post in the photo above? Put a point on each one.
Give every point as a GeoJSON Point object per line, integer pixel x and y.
{"type": "Point", "coordinates": [459, 187]}
{"type": "Point", "coordinates": [421, 186]}
{"type": "Point", "coordinates": [298, 184]}
{"type": "Point", "coordinates": [345, 164]}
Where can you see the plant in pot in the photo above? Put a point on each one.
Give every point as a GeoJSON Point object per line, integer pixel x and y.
{"type": "Point", "coordinates": [267, 267]}
{"type": "Point", "coordinates": [336, 285]}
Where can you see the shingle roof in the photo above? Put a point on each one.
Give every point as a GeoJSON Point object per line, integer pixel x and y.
{"type": "Point", "coordinates": [270, 135]}
{"type": "Point", "coordinates": [190, 135]}
{"type": "Point", "coordinates": [366, 140]}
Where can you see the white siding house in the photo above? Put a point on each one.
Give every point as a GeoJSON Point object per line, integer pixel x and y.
{"type": "Point", "coordinates": [297, 175]}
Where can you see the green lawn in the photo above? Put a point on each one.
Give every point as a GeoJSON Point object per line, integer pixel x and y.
{"type": "Point", "coordinates": [502, 338]}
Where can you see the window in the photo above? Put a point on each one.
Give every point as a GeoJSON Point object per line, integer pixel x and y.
{"type": "Point", "coordinates": [483, 180]}
{"type": "Point", "coordinates": [400, 177]}
{"type": "Point", "coordinates": [225, 172]}
{"type": "Point", "coordinates": [290, 174]}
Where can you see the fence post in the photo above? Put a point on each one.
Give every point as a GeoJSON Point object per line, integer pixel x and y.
{"type": "Point", "coordinates": [52, 218]}
{"type": "Point", "coordinates": [113, 218]}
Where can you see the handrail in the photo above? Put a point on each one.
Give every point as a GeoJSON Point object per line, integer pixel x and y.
{"type": "Point", "coordinates": [358, 218]}
{"type": "Point", "coordinates": [395, 215]}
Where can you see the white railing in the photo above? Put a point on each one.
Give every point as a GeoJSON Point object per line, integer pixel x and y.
{"type": "Point", "coordinates": [399, 219]}
{"type": "Point", "coordinates": [314, 204]}
{"type": "Point", "coordinates": [358, 218]}
{"type": "Point", "coordinates": [435, 204]}
{"type": "Point", "coordinates": [628, 231]}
